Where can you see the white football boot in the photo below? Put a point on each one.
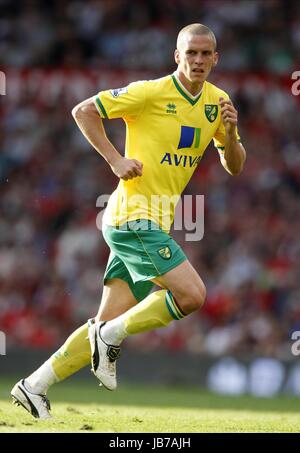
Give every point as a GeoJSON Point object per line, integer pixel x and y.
{"type": "Point", "coordinates": [104, 356]}
{"type": "Point", "coordinates": [37, 405]}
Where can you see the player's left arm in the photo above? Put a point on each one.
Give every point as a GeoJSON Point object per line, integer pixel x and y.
{"type": "Point", "coordinates": [234, 154]}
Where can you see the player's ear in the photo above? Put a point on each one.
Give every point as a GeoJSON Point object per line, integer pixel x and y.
{"type": "Point", "coordinates": [176, 56]}
{"type": "Point", "coordinates": [216, 58]}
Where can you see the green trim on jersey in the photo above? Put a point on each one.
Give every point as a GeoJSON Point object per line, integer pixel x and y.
{"type": "Point", "coordinates": [186, 96]}
{"type": "Point", "coordinates": [101, 107]}
{"type": "Point", "coordinates": [223, 147]}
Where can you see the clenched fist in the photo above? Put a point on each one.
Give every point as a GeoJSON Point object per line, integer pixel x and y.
{"type": "Point", "coordinates": [127, 168]}
{"type": "Point", "coordinates": [229, 115]}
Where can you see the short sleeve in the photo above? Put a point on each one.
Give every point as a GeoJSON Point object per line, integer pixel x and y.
{"type": "Point", "coordinates": [127, 102]}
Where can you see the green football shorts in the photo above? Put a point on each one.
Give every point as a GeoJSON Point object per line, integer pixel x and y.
{"type": "Point", "coordinates": [140, 251]}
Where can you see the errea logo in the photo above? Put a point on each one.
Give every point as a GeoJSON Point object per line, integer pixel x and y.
{"type": "Point", "coordinates": [171, 108]}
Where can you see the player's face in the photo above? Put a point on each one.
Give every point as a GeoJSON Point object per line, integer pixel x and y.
{"type": "Point", "coordinates": [195, 57]}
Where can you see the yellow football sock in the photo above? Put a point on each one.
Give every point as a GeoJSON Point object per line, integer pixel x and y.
{"type": "Point", "coordinates": [156, 310]}
{"type": "Point", "coordinates": [74, 354]}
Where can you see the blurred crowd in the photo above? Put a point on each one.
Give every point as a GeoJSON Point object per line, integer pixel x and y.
{"type": "Point", "coordinates": [251, 35]}
{"type": "Point", "coordinates": [52, 255]}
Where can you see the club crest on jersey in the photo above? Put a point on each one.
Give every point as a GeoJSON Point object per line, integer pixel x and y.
{"type": "Point", "coordinates": [165, 253]}
{"type": "Point", "coordinates": [118, 91]}
{"type": "Point", "coordinates": [211, 112]}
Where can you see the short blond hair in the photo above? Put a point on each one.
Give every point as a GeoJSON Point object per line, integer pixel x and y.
{"type": "Point", "coordinates": [196, 29]}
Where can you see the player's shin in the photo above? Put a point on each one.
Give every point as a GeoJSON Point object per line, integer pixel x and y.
{"type": "Point", "coordinates": [71, 357]}
{"type": "Point", "coordinates": [74, 354]}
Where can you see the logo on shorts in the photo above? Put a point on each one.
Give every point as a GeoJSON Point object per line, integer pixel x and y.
{"type": "Point", "coordinates": [211, 112]}
{"type": "Point", "coordinates": [165, 253]}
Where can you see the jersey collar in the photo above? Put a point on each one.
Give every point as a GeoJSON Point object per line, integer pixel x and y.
{"type": "Point", "coordinates": [184, 92]}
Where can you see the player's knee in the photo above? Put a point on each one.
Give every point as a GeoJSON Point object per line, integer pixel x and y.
{"type": "Point", "coordinates": [202, 294]}
{"type": "Point", "coordinates": [199, 295]}
{"type": "Point", "coordinates": [195, 298]}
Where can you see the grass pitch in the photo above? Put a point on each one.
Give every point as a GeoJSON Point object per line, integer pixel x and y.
{"type": "Point", "coordinates": [81, 406]}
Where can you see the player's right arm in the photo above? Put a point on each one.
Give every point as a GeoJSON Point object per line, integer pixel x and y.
{"type": "Point", "coordinates": [90, 123]}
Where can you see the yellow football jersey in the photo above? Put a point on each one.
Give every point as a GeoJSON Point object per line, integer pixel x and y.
{"type": "Point", "coordinates": [168, 130]}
